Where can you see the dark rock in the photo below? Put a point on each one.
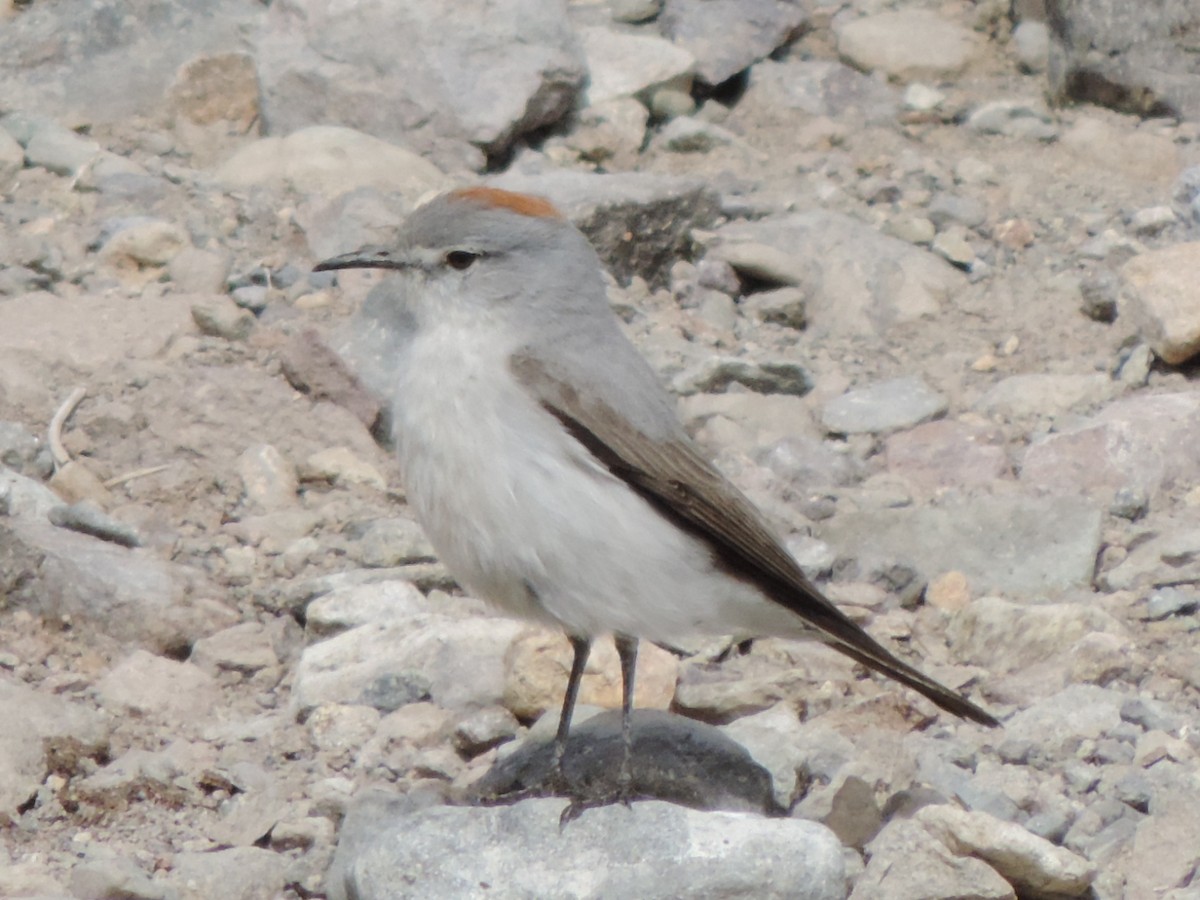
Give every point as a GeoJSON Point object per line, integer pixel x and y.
{"type": "Point", "coordinates": [674, 759]}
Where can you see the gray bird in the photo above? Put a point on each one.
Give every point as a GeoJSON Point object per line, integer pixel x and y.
{"type": "Point", "coordinates": [548, 466]}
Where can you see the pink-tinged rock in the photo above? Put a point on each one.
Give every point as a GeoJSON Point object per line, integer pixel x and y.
{"type": "Point", "coordinates": [1146, 443]}
{"type": "Point", "coordinates": [948, 454]}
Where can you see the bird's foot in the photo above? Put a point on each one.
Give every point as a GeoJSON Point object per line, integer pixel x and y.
{"type": "Point", "coordinates": [582, 802]}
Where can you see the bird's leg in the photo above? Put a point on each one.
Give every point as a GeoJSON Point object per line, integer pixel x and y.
{"type": "Point", "coordinates": [582, 647]}
{"type": "Point", "coordinates": [627, 648]}
{"type": "Point", "coordinates": [627, 651]}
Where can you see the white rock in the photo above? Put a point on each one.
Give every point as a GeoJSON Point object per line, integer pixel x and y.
{"type": "Point", "coordinates": [1164, 299]}
{"type": "Point", "coordinates": [331, 160]}
{"type": "Point", "coordinates": [908, 44]}
{"type": "Point", "coordinates": [623, 65]}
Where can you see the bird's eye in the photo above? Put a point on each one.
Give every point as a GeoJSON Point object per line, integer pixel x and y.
{"type": "Point", "coordinates": [461, 259]}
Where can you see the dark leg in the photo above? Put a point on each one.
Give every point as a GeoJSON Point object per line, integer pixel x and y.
{"type": "Point", "coordinates": [627, 651]}
{"type": "Point", "coordinates": [582, 647]}
{"type": "Point", "coordinates": [627, 648]}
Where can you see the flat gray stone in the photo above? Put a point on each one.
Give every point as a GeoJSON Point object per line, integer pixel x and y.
{"type": "Point", "coordinates": [727, 36]}
{"type": "Point", "coordinates": [908, 44]}
{"type": "Point", "coordinates": [654, 850]}
{"type": "Point", "coordinates": [884, 406]}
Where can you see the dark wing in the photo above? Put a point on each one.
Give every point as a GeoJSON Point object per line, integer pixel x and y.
{"type": "Point", "coordinates": [673, 476]}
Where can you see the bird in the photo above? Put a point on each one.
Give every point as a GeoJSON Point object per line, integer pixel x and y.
{"type": "Point", "coordinates": [547, 463]}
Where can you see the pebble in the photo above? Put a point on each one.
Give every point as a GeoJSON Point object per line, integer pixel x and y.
{"type": "Point", "coordinates": [622, 64]}
{"type": "Point", "coordinates": [922, 97]}
{"type": "Point", "coordinates": [1099, 291]}
{"type": "Point", "coordinates": [886, 406]}
{"type": "Point", "coordinates": [911, 228]}
{"type": "Point", "coordinates": [59, 149]}
{"type": "Point", "coordinates": [331, 160]}
{"type": "Point", "coordinates": [1152, 220]}
{"type": "Point", "coordinates": [908, 45]}
{"type": "Point", "coordinates": [684, 134]}
{"type": "Point", "coordinates": [1025, 119]}
{"type": "Point", "coordinates": [219, 316]}
{"type": "Point", "coordinates": [635, 11]}
{"type": "Point", "coordinates": [717, 373]}
{"type": "Point", "coordinates": [145, 242]}
{"type": "Point", "coordinates": [1031, 43]}
{"type": "Point", "coordinates": [1162, 300]}
{"type": "Point", "coordinates": [787, 306]}
{"type": "Point", "coordinates": [954, 247]}
{"type": "Point", "coordinates": [268, 479]}
{"type": "Point", "coordinates": [1171, 601]}
{"type": "Point", "coordinates": [340, 465]}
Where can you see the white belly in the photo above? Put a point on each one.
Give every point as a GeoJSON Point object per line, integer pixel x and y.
{"type": "Point", "coordinates": [525, 518]}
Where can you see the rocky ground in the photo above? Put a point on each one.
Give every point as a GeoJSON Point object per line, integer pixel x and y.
{"type": "Point", "coordinates": [925, 279]}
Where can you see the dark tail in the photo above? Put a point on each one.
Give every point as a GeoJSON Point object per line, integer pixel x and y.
{"type": "Point", "coordinates": [882, 661]}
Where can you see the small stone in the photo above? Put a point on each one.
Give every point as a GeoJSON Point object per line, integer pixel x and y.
{"type": "Point", "coordinates": [76, 483]}
{"type": "Point", "coordinates": [884, 406]}
{"type": "Point", "coordinates": [268, 479]}
{"type": "Point", "coordinates": [196, 271]}
{"type": "Point", "coordinates": [668, 103]}
{"type": "Point", "coordinates": [145, 242]}
{"type": "Point", "coordinates": [220, 317]}
{"type": "Point", "coordinates": [949, 592]}
{"type": "Point", "coordinates": [1031, 43]}
{"type": "Point", "coordinates": [947, 209]}
{"type": "Point", "coordinates": [786, 306]}
{"type": "Point", "coordinates": [922, 98]}
{"type": "Point", "coordinates": [1130, 503]}
{"type": "Point", "coordinates": [12, 159]}
{"type": "Point", "coordinates": [685, 134]}
{"type": "Point", "coordinates": [1099, 291]}
{"type": "Point", "coordinates": [1152, 220]}
{"type": "Point", "coordinates": [762, 262]}
{"type": "Point", "coordinates": [484, 729]}
{"type": "Point", "coordinates": [1016, 234]}
{"type": "Point", "coordinates": [246, 648]}
{"type": "Point", "coordinates": [221, 87]}
{"type": "Point", "coordinates": [393, 542]}
{"type": "Point", "coordinates": [954, 247]}
{"type": "Point", "coordinates": [1025, 860]}
{"type": "Point", "coordinates": [625, 64]}
{"type": "Point", "coordinates": [59, 149]}
{"type": "Point", "coordinates": [910, 228]}
{"type": "Point", "coordinates": [339, 465]}
{"type": "Point", "coordinates": [1026, 119]}
{"type": "Point", "coordinates": [302, 834]}
{"type": "Point", "coordinates": [718, 373]}
{"type": "Point", "coordinates": [908, 44]}
{"type": "Point", "coordinates": [1171, 601]}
